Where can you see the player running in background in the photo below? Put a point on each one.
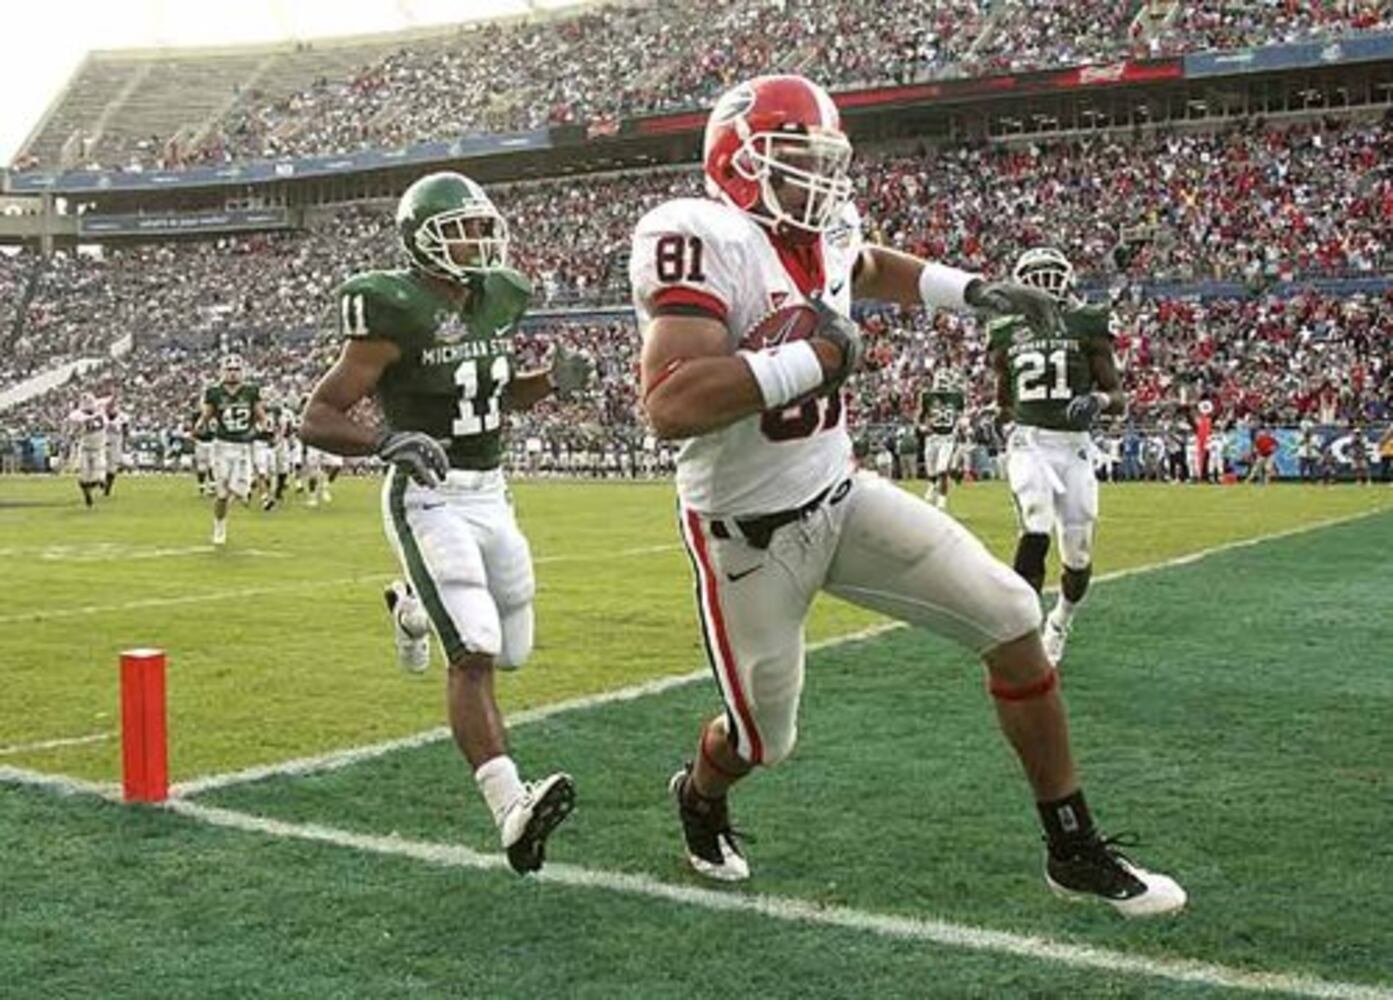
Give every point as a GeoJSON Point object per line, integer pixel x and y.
{"type": "Point", "coordinates": [88, 423]}
{"type": "Point", "coordinates": [118, 428]}
{"type": "Point", "coordinates": [264, 450]}
{"type": "Point", "coordinates": [771, 507]}
{"type": "Point", "coordinates": [232, 410]}
{"type": "Point", "coordinates": [201, 433]}
{"type": "Point", "coordinates": [1053, 384]}
{"type": "Point", "coordinates": [434, 344]}
{"type": "Point", "coordinates": [941, 414]}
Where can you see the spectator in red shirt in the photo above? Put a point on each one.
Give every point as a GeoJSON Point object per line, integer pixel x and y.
{"type": "Point", "coordinates": [1264, 457]}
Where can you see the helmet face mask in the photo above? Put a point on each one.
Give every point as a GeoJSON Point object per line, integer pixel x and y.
{"type": "Point", "coordinates": [1048, 270]}
{"type": "Point", "coordinates": [450, 229]}
{"type": "Point", "coordinates": [803, 177]}
{"type": "Point", "coordinates": [232, 369]}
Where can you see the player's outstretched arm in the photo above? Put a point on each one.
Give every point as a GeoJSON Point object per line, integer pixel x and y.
{"type": "Point", "coordinates": [326, 423]}
{"type": "Point", "coordinates": [693, 384]}
{"type": "Point", "coordinates": [570, 372]}
{"type": "Point", "coordinates": [892, 276]}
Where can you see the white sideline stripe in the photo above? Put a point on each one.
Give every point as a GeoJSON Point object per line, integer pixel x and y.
{"type": "Point", "coordinates": [284, 588]}
{"type": "Point", "coordinates": [59, 784]}
{"type": "Point", "coordinates": [71, 741]}
{"type": "Point", "coordinates": [936, 932]}
{"type": "Point", "coordinates": [335, 759]}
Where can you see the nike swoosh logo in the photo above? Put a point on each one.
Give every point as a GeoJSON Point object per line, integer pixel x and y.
{"type": "Point", "coordinates": [432, 506]}
{"type": "Point", "coordinates": [836, 288]}
{"type": "Point", "coordinates": [733, 577]}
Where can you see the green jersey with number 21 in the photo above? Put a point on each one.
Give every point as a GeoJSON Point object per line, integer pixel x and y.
{"type": "Point", "coordinates": [1046, 370]}
{"type": "Point", "coordinates": [455, 362]}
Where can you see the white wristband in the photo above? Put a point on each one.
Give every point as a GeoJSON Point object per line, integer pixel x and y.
{"type": "Point", "coordinates": [943, 287]}
{"type": "Point", "coordinates": [785, 372]}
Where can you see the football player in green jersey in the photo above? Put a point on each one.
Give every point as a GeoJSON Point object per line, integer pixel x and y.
{"type": "Point", "coordinates": [433, 343]}
{"type": "Point", "coordinates": [1053, 384]}
{"type": "Point", "coordinates": [232, 410]}
{"type": "Point", "coordinates": [202, 438]}
{"type": "Point", "coordinates": [940, 414]}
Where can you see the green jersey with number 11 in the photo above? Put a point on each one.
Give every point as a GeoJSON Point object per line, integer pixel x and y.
{"type": "Point", "coordinates": [455, 362]}
{"type": "Point", "coordinates": [1046, 370]}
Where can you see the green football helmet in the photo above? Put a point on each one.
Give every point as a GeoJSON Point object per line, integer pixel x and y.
{"type": "Point", "coordinates": [445, 210]}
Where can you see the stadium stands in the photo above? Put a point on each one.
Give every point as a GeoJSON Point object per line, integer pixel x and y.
{"type": "Point", "coordinates": [345, 95]}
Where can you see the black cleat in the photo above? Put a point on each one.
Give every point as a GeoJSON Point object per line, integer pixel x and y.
{"type": "Point", "coordinates": [531, 819]}
{"type": "Point", "coordinates": [711, 843]}
{"type": "Point", "coordinates": [1096, 869]}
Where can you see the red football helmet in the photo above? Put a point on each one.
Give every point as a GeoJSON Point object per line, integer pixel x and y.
{"type": "Point", "coordinates": [776, 151]}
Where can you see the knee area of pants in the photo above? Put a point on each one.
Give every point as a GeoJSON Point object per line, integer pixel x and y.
{"type": "Point", "coordinates": [1020, 608]}
{"type": "Point", "coordinates": [1076, 548]}
{"type": "Point", "coordinates": [776, 751]}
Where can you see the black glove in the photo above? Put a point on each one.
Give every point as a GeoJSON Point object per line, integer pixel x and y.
{"type": "Point", "coordinates": [843, 331]}
{"type": "Point", "coordinates": [1007, 298]}
{"type": "Point", "coordinates": [1082, 411]}
{"type": "Point", "coordinates": [419, 455]}
{"type": "Point", "coordinates": [570, 371]}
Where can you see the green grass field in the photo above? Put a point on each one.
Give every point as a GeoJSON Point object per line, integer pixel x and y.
{"type": "Point", "coordinates": [1233, 710]}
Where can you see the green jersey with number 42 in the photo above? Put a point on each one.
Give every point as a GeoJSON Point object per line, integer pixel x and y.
{"type": "Point", "coordinates": [234, 411]}
{"type": "Point", "coordinates": [455, 362]}
{"type": "Point", "coordinates": [1046, 370]}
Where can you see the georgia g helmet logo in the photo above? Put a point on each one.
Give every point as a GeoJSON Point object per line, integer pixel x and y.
{"type": "Point", "coordinates": [732, 104]}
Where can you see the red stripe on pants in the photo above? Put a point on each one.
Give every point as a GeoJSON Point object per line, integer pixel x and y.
{"type": "Point", "coordinates": [717, 625]}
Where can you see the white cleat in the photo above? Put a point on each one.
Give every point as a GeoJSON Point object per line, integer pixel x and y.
{"type": "Point", "coordinates": [410, 626]}
{"type": "Point", "coordinates": [1055, 636]}
{"type": "Point", "coordinates": [219, 532]}
{"type": "Point", "coordinates": [532, 817]}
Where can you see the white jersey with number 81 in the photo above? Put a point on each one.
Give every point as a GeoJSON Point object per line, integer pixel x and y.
{"type": "Point", "coordinates": [701, 253]}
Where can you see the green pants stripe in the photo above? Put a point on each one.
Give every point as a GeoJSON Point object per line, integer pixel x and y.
{"type": "Point", "coordinates": [418, 571]}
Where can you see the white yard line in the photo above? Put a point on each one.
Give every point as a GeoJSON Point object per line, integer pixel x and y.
{"type": "Point", "coordinates": [60, 784]}
{"type": "Point", "coordinates": [15, 749]}
{"type": "Point", "coordinates": [335, 759]}
{"type": "Point", "coordinates": [941, 933]}
{"type": "Point", "coordinates": [43, 615]}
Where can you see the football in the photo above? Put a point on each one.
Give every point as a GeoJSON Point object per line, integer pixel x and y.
{"type": "Point", "coordinates": [781, 326]}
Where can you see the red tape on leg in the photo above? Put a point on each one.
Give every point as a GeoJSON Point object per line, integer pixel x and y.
{"type": "Point", "coordinates": [709, 759]}
{"type": "Point", "coordinates": [1024, 692]}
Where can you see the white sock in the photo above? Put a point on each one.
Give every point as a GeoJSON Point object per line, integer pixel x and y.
{"type": "Point", "coordinates": [499, 782]}
{"type": "Point", "coordinates": [1064, 611]}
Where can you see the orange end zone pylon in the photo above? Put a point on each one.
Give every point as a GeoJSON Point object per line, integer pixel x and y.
{"type": "Point", "coordinates": [144, 743]}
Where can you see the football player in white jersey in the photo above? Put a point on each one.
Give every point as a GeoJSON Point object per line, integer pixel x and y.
{"type": "Point", "coordinates": [89, 451]}
{"type": "Point", "coordinates": [771, 508]}
{"type": "Point", "coordinates": [118, 426]}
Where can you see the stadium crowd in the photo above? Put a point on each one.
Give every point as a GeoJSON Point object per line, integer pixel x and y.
{"type": "Point", "coordinates": [1252, 205]}
{"type": "Point", "coordinates": [1259, 361]}
{"type": "Point", "coordinates": [616, 61]}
